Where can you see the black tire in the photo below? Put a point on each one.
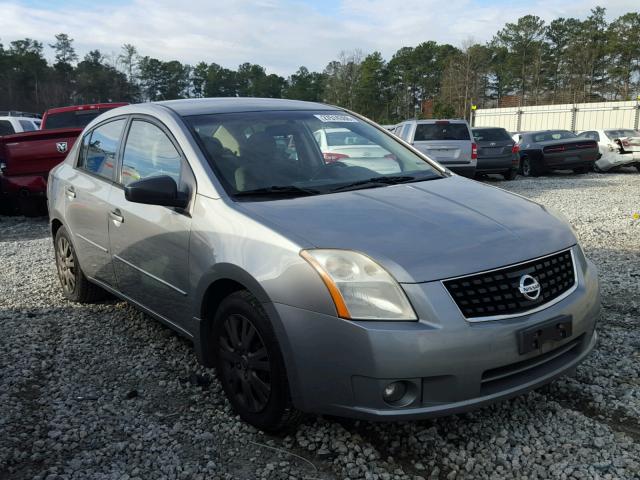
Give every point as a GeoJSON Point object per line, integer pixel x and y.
{"type": "Point", "coordinates": [75, 285]}
{"type": "Point", "coordinates": [530, 167]}
{"type": "Point", "coordinates": [510, 174]}
{"type": "Point", "coordinates": [249, 364]}
{"type": "Point", "coordinates": [581, 170]}
{"type": "Point", "coordinates": [638, 167]}
{"type": "Point", "coordinates": [597, 169]}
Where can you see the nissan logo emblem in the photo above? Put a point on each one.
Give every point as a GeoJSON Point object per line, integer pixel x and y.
{"type": "Point", "coordinates": [529, 287]}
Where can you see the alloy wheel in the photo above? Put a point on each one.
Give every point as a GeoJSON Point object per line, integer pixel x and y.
{"type": "Point", "coordinates": [526, 167]}
{"type": "Point", "coordinates": [245, 361]}
{"type": "Point", "coordinates": [65, 262]}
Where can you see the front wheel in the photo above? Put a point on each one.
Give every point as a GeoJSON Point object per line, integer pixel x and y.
{"type": "Point", "coordinates": [249, 363]}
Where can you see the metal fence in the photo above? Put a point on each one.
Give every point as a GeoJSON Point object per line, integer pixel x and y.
{"type": "Point", "coordinates": [575, 117]}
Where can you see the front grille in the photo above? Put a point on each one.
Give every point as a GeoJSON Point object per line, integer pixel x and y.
{"type": "Point", "coordinates": [497, 292]}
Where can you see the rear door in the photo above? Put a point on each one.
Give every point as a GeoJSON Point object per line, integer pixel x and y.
{"type": "Point", "coordinates": [447, 142]}
{"type": "Point", "coordinates": [87, 193]}
{"type": "Point", "coordinates": [150, 243]}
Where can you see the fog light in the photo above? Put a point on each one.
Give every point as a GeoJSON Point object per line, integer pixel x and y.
{"type": "Point", "coordinates": [394, 392]}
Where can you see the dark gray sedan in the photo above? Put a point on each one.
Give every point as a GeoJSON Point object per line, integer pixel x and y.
{"type": "Point", "coordinates": [497, 152]}
{"type": "Point", "coordinates": [312, 283]}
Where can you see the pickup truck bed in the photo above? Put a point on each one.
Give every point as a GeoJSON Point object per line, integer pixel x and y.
{"type": "Point", "coordinates": [25, 161]}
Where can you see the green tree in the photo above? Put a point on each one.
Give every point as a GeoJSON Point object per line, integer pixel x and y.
{"type": "Point", "coordinates": [371, 90]}
{"type": "Point", "coordinates": [624, 51]}
{"type": "Point", "coordinates": [523, 42]}
{"type": "Point", "coordinates": [304, 85]}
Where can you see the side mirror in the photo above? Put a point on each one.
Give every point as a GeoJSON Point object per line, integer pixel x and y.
{"type": "Point", "coordinates": [161, 190]}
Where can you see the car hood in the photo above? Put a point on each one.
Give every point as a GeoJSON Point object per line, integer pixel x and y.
{"type": "Point", "coordinates": [422, 231]}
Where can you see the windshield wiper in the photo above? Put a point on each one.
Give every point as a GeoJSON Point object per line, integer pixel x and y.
{"type": "Point", "coordinates": [277, 190]}
{"type": "Point", "coordinates": [384, 180]}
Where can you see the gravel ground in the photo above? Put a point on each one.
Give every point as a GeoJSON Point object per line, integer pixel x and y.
{"type": "Point", "coordinates": [104, 392]}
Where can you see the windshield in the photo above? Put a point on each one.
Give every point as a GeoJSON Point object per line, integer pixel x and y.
{"type": "Point", "coordinates": [490, 134]}
{"type": "Point", "coordinates": [441, 131]}
{"type": "Point", "coordinates": [296, 153]}
{"type": "Point", "coordinates": [557, 135]}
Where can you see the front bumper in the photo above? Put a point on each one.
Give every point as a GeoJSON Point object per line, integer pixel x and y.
{"type": "Point", "coordinates": [340, 367]}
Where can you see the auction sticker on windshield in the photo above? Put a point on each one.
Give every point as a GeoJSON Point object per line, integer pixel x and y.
{"type": "Point", "coordinates": [335, 118]}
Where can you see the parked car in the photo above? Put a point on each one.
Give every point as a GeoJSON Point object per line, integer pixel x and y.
{"type": "Point", "coordinates": [26, 158]}
{"type": "Point", "coordinates": [449, 142]}
{"type": "Point", "coordinates": [618, 148]}
{"type": "Point", "coordinates": [548, 150]}
{"type": "Point", "coordinates": [18, 122]}
{"type": "Point", "coordinates": [314, 286]}
{"type": "Point", "coordinates": [497, 152]}
{"type": "Point", "coordinates": [345, 146]}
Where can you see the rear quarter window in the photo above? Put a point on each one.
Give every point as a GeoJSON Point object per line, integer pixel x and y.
{"type": "Point", "coordinates": [441, 131]}
{"type": "Point", "coordinates": [6, 128]}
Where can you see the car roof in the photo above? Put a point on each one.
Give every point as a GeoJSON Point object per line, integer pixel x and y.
{"type": "Point", "coordinates": [488, 128]}
{"type": "Point", "coordinates": [204, 106]}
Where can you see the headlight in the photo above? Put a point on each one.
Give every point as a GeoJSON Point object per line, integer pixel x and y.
{"type": "Point", "coordinates": [360, 288]}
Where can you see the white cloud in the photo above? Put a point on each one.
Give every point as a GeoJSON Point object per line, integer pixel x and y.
{"type": "Point", "coordinates": [279, 34]}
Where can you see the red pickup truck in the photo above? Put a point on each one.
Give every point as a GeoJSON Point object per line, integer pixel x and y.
{"type": "Point", "coordinates": [26, 158]}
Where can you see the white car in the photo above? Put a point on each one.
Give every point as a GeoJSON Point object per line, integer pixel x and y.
{"type": "Point", "coordinates": [348, 147]}
{"type": "Point", "coordinates": [17, 122]}
{"type": "Point", "coordinates": [618, 147]}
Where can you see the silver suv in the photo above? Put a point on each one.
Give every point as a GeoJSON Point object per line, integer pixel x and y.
{"type": "Point", "coordinates": [449, 142]}
{"type": "Point", "coordinates": [313, 281]}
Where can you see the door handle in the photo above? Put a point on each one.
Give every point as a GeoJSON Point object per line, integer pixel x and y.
{"type": "Point", "coordinates": [116, 215]}
{"type": "Point", "coordinates": [70, 192]}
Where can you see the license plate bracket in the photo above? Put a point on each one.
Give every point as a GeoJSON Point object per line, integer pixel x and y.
{"type": "Point", "coordinates": [533, 338]}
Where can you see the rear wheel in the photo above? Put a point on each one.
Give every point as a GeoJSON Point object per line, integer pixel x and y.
{"type": "Point", "coordinates": [530, 167]}
{"type": "Point", "coordinates": [75, 285]}
{"type": "Point", "coordinates": [249, 363]}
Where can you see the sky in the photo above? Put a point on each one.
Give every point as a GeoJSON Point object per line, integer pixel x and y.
{"type": "Point", "coordinates": [280, 35]}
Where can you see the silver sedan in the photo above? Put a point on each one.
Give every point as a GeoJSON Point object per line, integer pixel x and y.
{"type": "Point", "coordinates": [314, 284]}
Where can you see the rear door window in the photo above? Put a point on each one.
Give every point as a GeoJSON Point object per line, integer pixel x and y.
{"type": "Point", "coordinates": [441, 131]}
{"type": "Point", "coordinates": [99, 149]}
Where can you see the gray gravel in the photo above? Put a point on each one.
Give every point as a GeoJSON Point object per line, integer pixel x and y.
{"type": "Point", "coordinates": [104, 392]}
